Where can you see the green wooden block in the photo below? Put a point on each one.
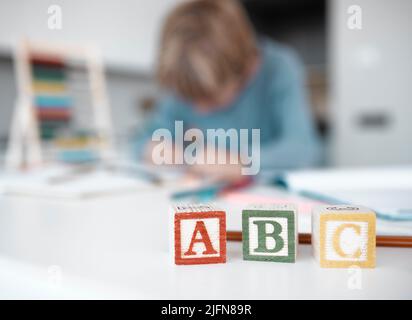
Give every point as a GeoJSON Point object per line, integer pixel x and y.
{"type": "Point", "coordinates": [270, 233]}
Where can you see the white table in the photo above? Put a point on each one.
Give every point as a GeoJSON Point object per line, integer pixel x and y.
{"type": "Point", "coordinates": [116, 247]}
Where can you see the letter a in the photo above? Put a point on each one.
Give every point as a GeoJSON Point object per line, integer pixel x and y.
{"type": "Point", "coordinates": [200, 228]}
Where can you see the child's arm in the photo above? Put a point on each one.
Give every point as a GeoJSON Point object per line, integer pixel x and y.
{"type": "Point", "coordinates": [299, 144]}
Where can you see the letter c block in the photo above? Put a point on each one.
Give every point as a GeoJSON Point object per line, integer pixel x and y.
{"type": "Point", "coordinates": [270, 233]}
{"type": "Point", "coordinates": [344, 236]}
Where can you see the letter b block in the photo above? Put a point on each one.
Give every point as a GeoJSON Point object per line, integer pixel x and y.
{"type": "Point", "coordinates": [344, 236]}
{"type": "Point", "coordinates": [270, 233]}
{"type": "Point", "coordinates": [199, 234]}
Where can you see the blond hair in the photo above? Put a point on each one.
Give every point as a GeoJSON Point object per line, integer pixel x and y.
{"type": "Point", "coordinates": [205, 44]}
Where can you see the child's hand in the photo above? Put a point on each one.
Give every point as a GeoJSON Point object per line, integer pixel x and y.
{"type": "Point", "coordinates": [218, 172]}
{"type": "Point", "coordinates": [169, 153]}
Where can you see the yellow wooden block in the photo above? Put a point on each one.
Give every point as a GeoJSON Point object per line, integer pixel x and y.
{"type": "Point", "coordinates": [344, 236]}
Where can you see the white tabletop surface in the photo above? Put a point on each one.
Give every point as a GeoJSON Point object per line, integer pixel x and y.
{"type": "Point", "coordinates": [116, 247]}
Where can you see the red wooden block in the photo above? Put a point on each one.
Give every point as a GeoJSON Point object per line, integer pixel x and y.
{"type": "Point", "coordinates": [199, 235]}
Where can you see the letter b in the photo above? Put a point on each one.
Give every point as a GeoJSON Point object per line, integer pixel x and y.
{"type": "Point", "coordinates": [263, 235]}
{"type": "Point", "coordinates": [269, 233]}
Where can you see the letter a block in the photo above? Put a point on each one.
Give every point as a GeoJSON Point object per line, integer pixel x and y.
{"type": "Point", "coordinates": [199, 234]}
{"type": "Point", "coordinates": [270, 233]}
{"type": "Point", "coordinates": [344, 236]}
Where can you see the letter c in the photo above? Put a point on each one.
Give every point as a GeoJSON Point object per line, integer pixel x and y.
{"type": "Point", "coordinates": [336, 240]}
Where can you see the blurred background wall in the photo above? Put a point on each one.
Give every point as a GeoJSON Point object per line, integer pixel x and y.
{"type": "Point", "coordinates": [359, 80]}
{"type": "Point", "coordinates": [370, 78]}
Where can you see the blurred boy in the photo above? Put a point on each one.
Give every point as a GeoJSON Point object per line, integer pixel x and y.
{"type": "Point", "coordinates": [219, 75]}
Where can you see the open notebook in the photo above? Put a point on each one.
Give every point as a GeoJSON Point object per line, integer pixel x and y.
{"type": "Point", "coordinates": [386, 190]}
{"type": "Point", "coordinates": [78, 182]}
{"type": "Point", "coordinates": [234, 202]}
{"type": "Point", "coordinates": [386, 178]}
{"type": "Point", "coordinates": [61, 182]}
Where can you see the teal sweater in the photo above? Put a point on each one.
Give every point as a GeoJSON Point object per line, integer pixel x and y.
{"type": "Point", "coordinates": [274, 101]}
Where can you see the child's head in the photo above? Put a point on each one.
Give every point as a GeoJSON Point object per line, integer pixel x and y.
{"type": "Point", "coordinates": [207, 47]}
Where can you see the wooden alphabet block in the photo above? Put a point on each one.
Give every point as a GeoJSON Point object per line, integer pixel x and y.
{"type": "Point", "coordinates": [270, 233]}
{"type": "Point", "coordinates": [344, 236]}
{"type": "Point", "coordinates": [199, 233]}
